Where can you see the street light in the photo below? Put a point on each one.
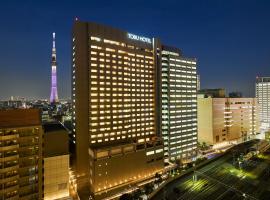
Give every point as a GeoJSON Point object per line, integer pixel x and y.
{"type": "Point", "coordinates": [194, 175]}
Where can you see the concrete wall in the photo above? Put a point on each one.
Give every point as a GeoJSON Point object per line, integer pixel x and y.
{"type": "Point", "coordinates": [205, 120]}
{"type": "Point", "coordinates": [81, 63]}
{"type": "Point", "coordinates": [56, 177]}
{"type": "Point", "coordinates": [118, 167]}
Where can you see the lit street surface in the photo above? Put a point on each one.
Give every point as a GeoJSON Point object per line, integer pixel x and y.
{"type": "Point", "coordinates": [224, 178]}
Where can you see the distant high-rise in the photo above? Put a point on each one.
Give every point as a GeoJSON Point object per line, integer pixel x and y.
{"type": "Point", "coordinates": [54, 93]}
{"type": "Point", "coordinates": [215, 93]}
{"type": "Point", "coordinates": [198, 82]}
{"type": "Point", "coordinates": [235, 95]}
{"type": "Point", "coordinates": [263, 96]}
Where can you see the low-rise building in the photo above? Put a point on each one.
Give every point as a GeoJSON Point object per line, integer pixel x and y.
{"type": "Point", "coordinates": [56, 161]}
{"type": "Point", "coordinates": [223, 120]}
{"type": "Point", "coordinates": [138, 162]}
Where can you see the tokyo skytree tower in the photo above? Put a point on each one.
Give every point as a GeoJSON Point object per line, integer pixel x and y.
{"type": "Point", "coordinates": [54, 93]}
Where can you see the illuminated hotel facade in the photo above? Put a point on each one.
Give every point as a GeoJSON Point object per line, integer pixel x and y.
{"type": "Point", "coordinates": [114, 116]}
{"type": "Point", "coordinates": [263, 96]}
{"type": "Point", "coordinates": [117, 107]}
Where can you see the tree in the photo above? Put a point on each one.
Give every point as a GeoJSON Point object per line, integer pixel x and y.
{"type": "Point", "coordinates": [136, 194]}
{"type": "Point", "coordinates": [126, 196]}
{"type": "Point", "coordinates": [157, 175]}
{"type": "Point", "coordinates": [158, 178]}
{"type": "Point", "coordinates": [176, 190]}
{"type": "Point", "coordinates": [204, 146]}
{"type": "Point", "coordinates": [148, 188]}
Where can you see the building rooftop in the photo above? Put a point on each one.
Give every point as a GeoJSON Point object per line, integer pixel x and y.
{"type": "Point", "coordinates": [19, 117]}
{"type": "Point", "coordinates": [56, 140]}
{"type": "Point", "coordinates": [262, 79]}
{"type": "Point", "coordinates": [53, 126]}
{"type": "Point", "coordinates": [172, 49]}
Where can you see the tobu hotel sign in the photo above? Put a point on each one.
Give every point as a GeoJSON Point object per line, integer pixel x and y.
{"type": "Point", "coordinates": [139, 38]}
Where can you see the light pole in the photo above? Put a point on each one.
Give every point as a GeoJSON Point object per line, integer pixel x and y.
{"type": "Point", "coordinates": [194, 173]}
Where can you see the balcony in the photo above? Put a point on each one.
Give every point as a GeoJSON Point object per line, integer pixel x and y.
{"type": "Point", "coordinates": [29, 196]}
{"type": "Point", "coordinates": [11, 168]}
{"type": "Point", "coordinates": [26, 172]}
{"type": "Point", "coordinates": [29, 191]}
{"type": "Point", "coordinates": [9, 188]}
{"type": "Point", "coordinates": [29, 180]}
{"type": "Point", "coordinates": [28, 154]}
{"type": "Point", "coordinates": [15, 197]}
{"type": "Point", "coordinates": [6, 133]}
{"type": "Point", "coordinates": [28, 144]}
{"type": "Point", "coordinates": [7, 179]}
{"type": "Point", "coordinates": [9, 158]}
{"type": "Point", "coordinates": [9, 147]}
{"type": "Point", "coordinates": [24, 169]}
{"type": "Point", "coordinates": [9, 153]}
{"type": "Point", "coordinates": [27, 134]}
{"type": "Point", "coordinates": [10, 137]}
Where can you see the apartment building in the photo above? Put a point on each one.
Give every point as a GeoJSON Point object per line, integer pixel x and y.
{"type": "Point", "coordinates": [21, 142]}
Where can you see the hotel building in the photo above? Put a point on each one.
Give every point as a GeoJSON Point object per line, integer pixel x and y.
{"type": "Point", "coordinates": [20, 154]}
{"type": "Point", "coordinates": [114, 97]}
{"type": "Point", "coordinates": [226, 120]}
{"type": "Point", "coordinates": [263, 96]}
{"type": "Point", "coordinates": [179, 105]}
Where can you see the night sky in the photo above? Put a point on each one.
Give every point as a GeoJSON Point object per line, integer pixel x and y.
{"type": "Point", "coordinates": [230, 39]}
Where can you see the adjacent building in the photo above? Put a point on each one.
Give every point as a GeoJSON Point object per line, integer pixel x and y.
{"type": "Point", "coordinates": [235, 94]}
{"type": "Point", "coordinates": [198, 82]}
{"type": "Point", "coordinates": [178, 105]}
{"type": "Point", "coordinates": [114, 97]}
{"type": "Point", "coordinates": [225, 120]}
{"type": "Point", "coordinates": [215, 93]}
{"type": "Point", "coordinates": [21, 142]}
{"type": "Point", "coordinates": [263, 96]}
{"type": "Point", "coordinates": [56, 161]}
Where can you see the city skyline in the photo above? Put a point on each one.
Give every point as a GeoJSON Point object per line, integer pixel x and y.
{"type": "Point", "coordinates": [135, 100]}
{"type": "Point", "coordinates": [225, 39]}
